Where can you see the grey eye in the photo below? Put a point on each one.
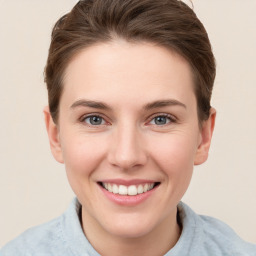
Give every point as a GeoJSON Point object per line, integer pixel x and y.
{"type": "Point", "coordinates": [94, 120]}
{"type": "Point", "coordinates": [160, 120]}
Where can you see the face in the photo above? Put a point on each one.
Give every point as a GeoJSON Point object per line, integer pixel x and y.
{"type": "Point", "coordinates": [128, 135]}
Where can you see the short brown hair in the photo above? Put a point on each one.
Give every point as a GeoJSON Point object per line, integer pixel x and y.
{"type": "Point", "coordinates": [169, 23]}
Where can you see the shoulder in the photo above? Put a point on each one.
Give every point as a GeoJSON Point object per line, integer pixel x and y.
{"type": "Point", "coordinates": [51, 238]}
{"type": "Point", "coordinates": [39, 240]}
{"type": "Point", "coordinates": [61, 236]}
{"type": "Point", "coordinates": [214, 237]}
{"type": "Point", "coordinates": [223, 239]}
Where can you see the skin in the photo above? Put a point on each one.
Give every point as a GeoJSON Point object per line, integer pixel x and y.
{"type": "Point", "coordinates": [128, 143]}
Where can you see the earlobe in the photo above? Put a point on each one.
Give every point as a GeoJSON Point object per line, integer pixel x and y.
{"type": "Point", "coordinates": [205, 140]}
{"type": "Point", "coordinates": [53, 135]}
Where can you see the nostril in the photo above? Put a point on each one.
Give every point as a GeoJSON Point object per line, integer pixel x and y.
{"type": "Point", "coordinates": [126, 151]}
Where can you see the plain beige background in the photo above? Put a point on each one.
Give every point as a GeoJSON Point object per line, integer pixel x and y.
{"type": "Point", "coordinates": [33, 187]}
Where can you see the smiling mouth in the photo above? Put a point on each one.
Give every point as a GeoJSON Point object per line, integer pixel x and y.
{"type": "Point", "coordinates": [131, 190]}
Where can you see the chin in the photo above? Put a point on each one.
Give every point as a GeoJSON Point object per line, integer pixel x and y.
{"type": "Point", "coordinates": [133, 232]}
{"type": "Point", "coordinates": [131, 227]}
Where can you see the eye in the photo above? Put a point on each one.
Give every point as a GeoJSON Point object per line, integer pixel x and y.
{"type": "Point", "coordinates": [94, 120]}
{"type": "Point", "coordinates": [161, 120]}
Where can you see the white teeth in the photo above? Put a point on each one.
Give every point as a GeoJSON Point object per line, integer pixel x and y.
{"type": "Point", "coordinates": [109, 188]}
{"type": "Point", "coordinates": [131, 190]}
{"type": "Point", "coordinates": [145, 189]}
{"type": "Point", "coordinates": [122, 190]}
{"type": "Point", "coordinates": [140, 189]}
{"type": "Point", "coordinates": [115, 189]}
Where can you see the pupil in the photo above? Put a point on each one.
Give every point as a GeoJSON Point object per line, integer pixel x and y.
{"type": "Point", "coordinates": [160, 120]}
{"type": "Point", "coordinates": [96, 120]}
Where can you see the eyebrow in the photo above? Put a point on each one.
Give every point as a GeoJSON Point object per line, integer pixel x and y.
{"type": "Point", "coordinates": [91, 104]}
{"type": "Point", "coordinates": [103, 106]}
{"type": "Point", "coordinates": [164, 103]}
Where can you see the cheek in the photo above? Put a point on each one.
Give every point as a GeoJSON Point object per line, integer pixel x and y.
{"type": "Point", "coordinates": [82, 154]}
{"type": "Point", "coordinates": [175, 156]}
{"type": "Point", "coordinates": [178, 149]}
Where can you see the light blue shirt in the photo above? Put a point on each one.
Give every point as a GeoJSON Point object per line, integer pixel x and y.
{"type": "Point", "coordinates": [63, 236]}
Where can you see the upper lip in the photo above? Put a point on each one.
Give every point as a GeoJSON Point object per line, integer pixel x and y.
{"type": "Point", "coordinates": [128, 182]}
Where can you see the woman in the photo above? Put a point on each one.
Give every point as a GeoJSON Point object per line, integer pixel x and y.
{"type": "Point", "coordinates": [129, 87]}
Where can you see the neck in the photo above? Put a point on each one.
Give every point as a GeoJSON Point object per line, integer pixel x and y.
{"type": "Point", "coordinates": [157, 242]}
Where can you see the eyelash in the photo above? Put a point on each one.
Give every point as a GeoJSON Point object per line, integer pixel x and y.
{"type": "Point", "coordinates": [171, 118]}
{"type": "Point", "coordinates": [83, 120]}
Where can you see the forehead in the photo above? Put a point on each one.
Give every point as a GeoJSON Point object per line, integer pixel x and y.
{"type": "Point", "coordinates": [131, 71]}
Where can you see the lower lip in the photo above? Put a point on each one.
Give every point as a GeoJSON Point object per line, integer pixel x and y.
{"type": "Point", "coordinates": [128, 200]}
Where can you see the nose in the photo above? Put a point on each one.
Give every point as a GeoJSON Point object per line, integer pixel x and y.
{"type": "Point", "coordinates": [127, 149]}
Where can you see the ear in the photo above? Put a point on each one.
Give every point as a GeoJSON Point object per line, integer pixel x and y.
{"type": "Point", "coordinates": [205, 138]}
{"type": "Point", "coordinates": [53, 135]}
